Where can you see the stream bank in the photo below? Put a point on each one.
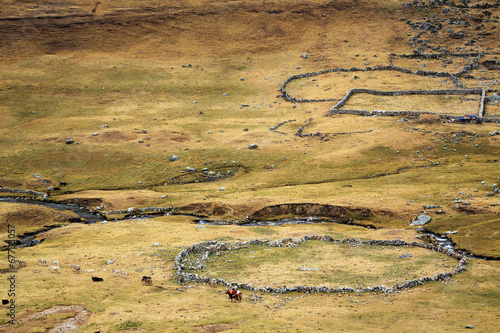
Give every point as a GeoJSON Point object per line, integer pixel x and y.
{"type": "Point", "coordinates": [87, 216]}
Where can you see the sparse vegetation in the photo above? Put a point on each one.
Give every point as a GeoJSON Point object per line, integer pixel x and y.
{"type": "Point", "coordinates": [95, 100]}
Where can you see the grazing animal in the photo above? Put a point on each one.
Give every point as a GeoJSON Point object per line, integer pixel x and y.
{"type": "Point", "coordinates": [55, 262]}
{"type": "Point", "coordinates": [236, 295]}
{"type": "Point", "coordinates": [42, 262]}
{"type": "Point", "coordinates": [21, 263]}
{"type": "Point", "coordinates": [147, 280]}
{"type": "Point", "coordinates": [95, 8]}
{"type": "Point", "coordinates": [125, 275]}
{"type": "Point", "coordinates": [54, 269]}
{"type": "Point", "coordinates": [76, 269]}
{"type": "Point", "coordinates": [89, 271]}
{"type": "Point", "coordinates": [116, 272]}
{"type": "Point", "coordinates": [97, 279]}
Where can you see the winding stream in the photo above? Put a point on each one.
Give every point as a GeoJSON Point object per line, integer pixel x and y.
{"type": "Point", "coordinates": [84, 213]}
{"type": "Point", "coordinates": [87, 216]}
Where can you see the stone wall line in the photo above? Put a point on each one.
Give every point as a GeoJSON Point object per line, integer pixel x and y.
{"type": "Point", "coordinates": [405, 113]}
{"type": "Point", "coordinates": [405, 92]}
{"type": "Point", "coordinates": [140, 210]}
{"type": "Point", "coordinates": [211, 247]}
{"type": "Point", "coordinates": [473, 64]}
{"type": "Point", "coordinates": [44, 195]}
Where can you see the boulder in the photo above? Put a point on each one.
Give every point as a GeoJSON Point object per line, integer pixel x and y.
{"type": "Point", "coordinates": [421, 220]}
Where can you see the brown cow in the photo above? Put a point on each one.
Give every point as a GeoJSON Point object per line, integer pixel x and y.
{"type": "Point", "coordinates": [147, 280]}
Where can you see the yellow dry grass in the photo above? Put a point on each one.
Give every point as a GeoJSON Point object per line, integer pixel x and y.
{"type": "Point", "coordinates": [200, 79]}
{"type": "Point", "coordinates": [168, 306]}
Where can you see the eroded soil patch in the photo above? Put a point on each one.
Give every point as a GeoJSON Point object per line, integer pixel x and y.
{"type": "Point", "coordinates": [56, 319]}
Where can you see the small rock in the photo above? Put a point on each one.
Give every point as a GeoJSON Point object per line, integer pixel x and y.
{"type": "Point", "coordinates": [173, 158]}
{"type": "Point", "coordinates": [494, 99]}
{"type": "Point", "coordinates": [253, 146]}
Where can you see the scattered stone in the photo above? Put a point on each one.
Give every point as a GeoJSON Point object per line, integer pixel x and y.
{"type": "Point", "coordinates": [405, 256]}
{"type": "Point", "coordinates": [431, 206]}
{"type": "Point", "coordinates": [69, 141]}
{"type": "Point", "coordinates": [253, 146]}
{"type": "Point", "coordinates": [173, 158]}
{"type": "Point", "coordinates": [494, 99]}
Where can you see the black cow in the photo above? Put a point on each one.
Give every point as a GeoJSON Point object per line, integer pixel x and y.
{"type": "Point", "coordinates": [97, 279]}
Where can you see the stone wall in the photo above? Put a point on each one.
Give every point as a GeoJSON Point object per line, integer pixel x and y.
{"type": "Point", "coordinates": [204, 249]}
{"type": "Point", "coordinates": [30, 192]}
{"type": "Point", "coordinates": [452, 76]}
{"type": "Point", "coordinates": [133, 210]}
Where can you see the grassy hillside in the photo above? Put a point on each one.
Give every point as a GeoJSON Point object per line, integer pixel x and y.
{"type": "Point", "coordinates": [95, 98]}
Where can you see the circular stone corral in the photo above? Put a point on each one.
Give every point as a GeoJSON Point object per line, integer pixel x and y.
{"type": "Point", "coordinates": [204, 249]}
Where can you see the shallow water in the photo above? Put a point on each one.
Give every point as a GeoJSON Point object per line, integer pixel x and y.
{"type": "Point", "coordinates": [83, 212]}
{"type": "Point", "coordinates": [90, 217]}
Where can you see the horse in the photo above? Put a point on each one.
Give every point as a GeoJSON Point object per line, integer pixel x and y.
{"type": "Point", "coordinates": [238, 296]}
